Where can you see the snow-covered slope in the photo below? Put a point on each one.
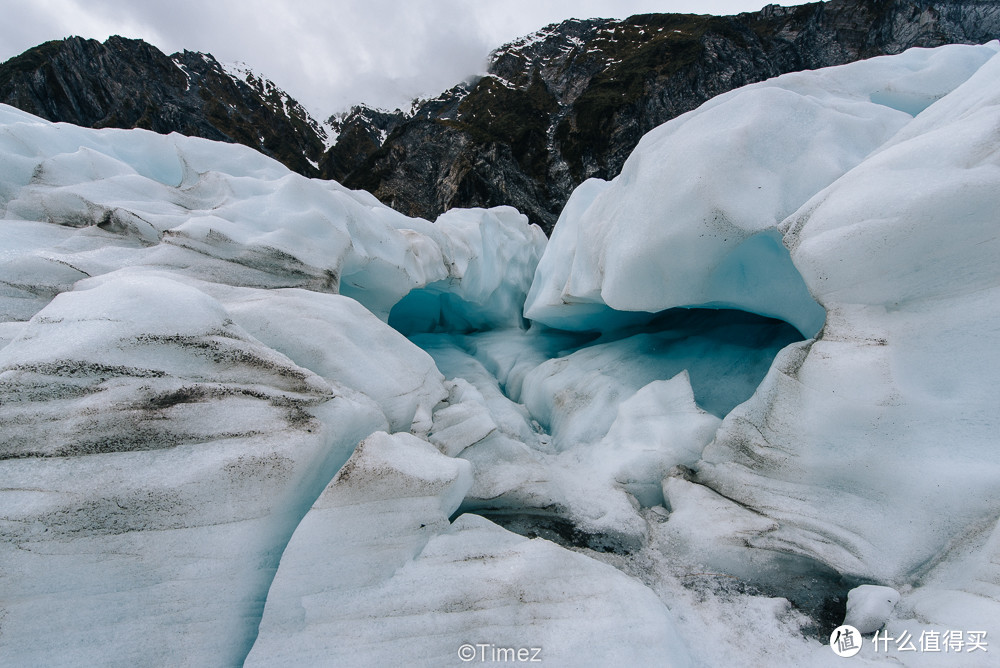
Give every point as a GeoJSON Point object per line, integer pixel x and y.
{"type": "Point", "coordinates": [194, 342]}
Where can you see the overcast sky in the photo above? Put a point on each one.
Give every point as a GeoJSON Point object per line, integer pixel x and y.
{"type": "Point", "coordinates": [329, 54]}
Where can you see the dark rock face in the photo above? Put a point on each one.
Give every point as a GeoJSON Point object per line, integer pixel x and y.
{"type": "Point", "coordinates": [127, 83]}
{"type": "Point", "coordinates": [572, 100]}
{"type": "Point", "coordinates": [361, 132]}
{"type": "Point", "coordinates": [564, 104]}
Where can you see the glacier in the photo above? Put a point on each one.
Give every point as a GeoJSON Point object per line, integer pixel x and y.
{"type": "Point", "coordinates": [745, 389]}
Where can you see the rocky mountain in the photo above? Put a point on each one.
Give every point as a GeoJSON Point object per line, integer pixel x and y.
{"type": "Point", "coordinates": [359, 133]}
{"type": "Point", "coordinates": [128, 83]}
{"type": "Point", "coordinates": [556, 107]}
{"type": "Point", "coordinates": [572, 100]}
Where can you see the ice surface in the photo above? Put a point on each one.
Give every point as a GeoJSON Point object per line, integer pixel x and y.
{"type": "Point", "coordinates": [391, 497]}
{"type": "Point", "coordinates": [338, 339]}
{"type": "Point", "coordinates": [155, 459]}
{"type": "Point", "coordinates": [433, 587]}
{"type": "Point", "coordinates": [634, 434]}
{"type": "Point", "coordinates": [179, 384]}
{"type": "Point", "coordinates": [884, 413]}
{"type": "Point", "coordinates": [227, 214]}
{"type": "Point", "coordinates": [601, 421]}
{"type": "Point", "coordinates": [502, 591]}
{"type": "Point", "coordinates": [692, 218]}
{"type": "Point", "coordinates": [726, 354]}
{"type": "Point", "coordinates": [491, 257]}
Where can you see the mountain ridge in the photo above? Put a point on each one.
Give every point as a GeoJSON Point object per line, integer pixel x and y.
{"type": "Point", "coordinates": [610, 81]}
{"type": "Point", "coordinates": [129, 83]}
{"type": "Point", "coordinates": [555, 107]}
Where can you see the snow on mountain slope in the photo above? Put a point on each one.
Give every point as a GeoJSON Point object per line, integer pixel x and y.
{"type": "Point", "coordinates": [280, 102]}
{"type": "Point", "coordinates": [194, 341]}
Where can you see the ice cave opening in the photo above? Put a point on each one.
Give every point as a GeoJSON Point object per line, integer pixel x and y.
{"type": "Point", "coordinates": [725, 345]}
{"type": "Point", "coordinates": [564, 395]}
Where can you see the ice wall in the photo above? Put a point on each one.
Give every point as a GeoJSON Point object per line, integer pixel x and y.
{"type": "Point", "coordinates": [179, 379]}
{"type": "Point", "coordinates": [692, 220]}
{"type": "Point", "coordinates": [883, 415]}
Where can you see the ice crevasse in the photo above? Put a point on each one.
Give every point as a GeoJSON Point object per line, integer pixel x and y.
{"type": "Point", "coordinates": [194, 342]}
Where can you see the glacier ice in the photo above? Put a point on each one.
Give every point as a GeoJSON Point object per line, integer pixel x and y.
{"type": "Point", "coordinates": [895, 398]}
{"type": "Point", "coordinates": [194, 342]}
{"type": "Point", "coordinates": [179, 383]}
{"type": "Point", "coordinates": [234, 216]}
{"type": "Point", "coordinates": [692, 218]}
{"type": "Point", "coordinates": [341, 570]}
{"type": "Point", "coordinates": [156, 457]}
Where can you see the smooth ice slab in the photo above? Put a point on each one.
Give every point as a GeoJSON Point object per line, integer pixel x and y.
{"type": "Point", "coordinates": [154, 460]}
{"type": "Point", "coordinates": [477, 585]}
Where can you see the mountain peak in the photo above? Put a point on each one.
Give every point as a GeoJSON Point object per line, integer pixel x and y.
{"type": "Point", "coordinates": [129, 83]}
{"type": "Point", "coordinates": [571, 100]}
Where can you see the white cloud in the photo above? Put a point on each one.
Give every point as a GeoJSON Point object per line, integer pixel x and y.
{"type": "Point", "coordinates": [329, 55]}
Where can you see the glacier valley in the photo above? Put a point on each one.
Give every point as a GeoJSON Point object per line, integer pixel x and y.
{"type": "Point", "coordinates": [250, 418]}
